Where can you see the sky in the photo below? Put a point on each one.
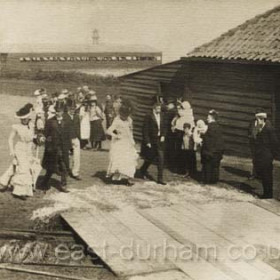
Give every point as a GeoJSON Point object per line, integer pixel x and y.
{"type": "Point", "coordinates": [174, 27]}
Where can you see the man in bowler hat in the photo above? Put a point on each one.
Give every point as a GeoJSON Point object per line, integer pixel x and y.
{"type": "Point", "coordinates": [153, 143]}
{"type": "Point", "coordinates": [266, 149]}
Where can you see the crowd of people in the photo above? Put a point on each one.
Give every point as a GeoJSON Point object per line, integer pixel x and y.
{"type": "Point", "coordinates": [66, 122]}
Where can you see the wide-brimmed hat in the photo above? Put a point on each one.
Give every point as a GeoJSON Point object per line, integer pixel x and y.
{"type": "Point", "coordinates": [85, 88]}
{"type": "Point", "coordinates": [65, 91]}
{"type": "Point", "coordinates": [40, 91]}
{"type": "Point", "coordinates": [25, 111]}
{"type": "Point", "coordinates": [93, 98]}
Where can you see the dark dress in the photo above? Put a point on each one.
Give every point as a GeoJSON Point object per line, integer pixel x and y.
{"type": "Point", "coordinates": [97, 133]}
{"type": "Point", "coordinates": [109, 113]}
{"type": "Point", "coordinates": [266, 149]}
{"type": "Point", "coordinates": [212, 153]}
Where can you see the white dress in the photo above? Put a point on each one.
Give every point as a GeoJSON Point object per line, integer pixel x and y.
{"type": "Point", "coordinates": [123, 154]}
{"type": "Point", "coordinates": [22, 180]}
{"type": "Point", "coordinates": [85, 123]}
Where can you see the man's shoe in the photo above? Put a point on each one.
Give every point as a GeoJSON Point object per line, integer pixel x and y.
{"type": "Point", "coordinates": [78, 178]}
{"type": "Point", "coordinates": [161, 183]}
{"type": "Point", "coordinates": [265, 196]}
{"type": "Point", "coordinates": [63, 189]}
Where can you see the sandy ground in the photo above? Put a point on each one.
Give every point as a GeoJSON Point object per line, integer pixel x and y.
{"type": "Point", "coordinates": [93, 192]}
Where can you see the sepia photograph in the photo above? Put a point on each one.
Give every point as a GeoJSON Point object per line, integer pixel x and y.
{"type": "Point", "coordinates": [140, 140]}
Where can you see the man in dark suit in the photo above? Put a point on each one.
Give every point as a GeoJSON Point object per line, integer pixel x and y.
{"type": "Point", "coordinates": [72, 126]}
{"type": "Point", "coordinates": [170, 157]}
{"type": "Point", "coordinates": [56, 149]}
{"type": "Point", "coordinates": [212, 150]}
{"type": "Point", "coordinates": [152, 150]}
{"type": "Point", "coordinates": [266, 149]}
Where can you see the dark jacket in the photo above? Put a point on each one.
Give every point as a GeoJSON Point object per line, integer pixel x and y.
{"type": "Point", "coordinates": [266, 146]}
{"type": "Point", "coordinates": [150, 135]}
{"type": "Point", "coordinates": [150, 129]}
{"type": "Point", "coordinates": [213, 142]}
{"type": "Point", "coordinates": [72, 126]}
{"type": "Point", "coordinates": [57, 143]}
{"type": "Point", "coordinates": [108, 110]}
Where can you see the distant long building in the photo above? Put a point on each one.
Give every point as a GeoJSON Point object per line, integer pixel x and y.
{"type": "Point", "coordinates": [77, 57]}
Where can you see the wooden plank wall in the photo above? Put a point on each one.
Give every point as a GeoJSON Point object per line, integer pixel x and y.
{"type": "Point", "coordinates": [235, 91]}
{"type": "Point", "coordinates": [142, 87]}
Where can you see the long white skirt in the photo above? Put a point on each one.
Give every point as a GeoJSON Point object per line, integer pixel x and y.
{"type": "Point", "coordinates": [85, 127]}
{"type": "Point", "coordinates": [19, 174]}
{"type": "Point", "coordinates": [123, 158]}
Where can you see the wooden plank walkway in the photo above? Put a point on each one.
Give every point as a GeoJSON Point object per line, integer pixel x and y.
{"type": "Point", "coordinates": [271, 205]}
{"type": "Point", "coordinates": [114, 243]}
{"type": "Point", "coordinates": [201, 226]}
{"type": "Point", "coordinates": [117, 230]}
{"type": "Point", "coordinates": [189, 242]}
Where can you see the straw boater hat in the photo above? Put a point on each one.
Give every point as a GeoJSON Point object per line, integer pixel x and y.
{"type": "Point", "coordinates": [24, 112]}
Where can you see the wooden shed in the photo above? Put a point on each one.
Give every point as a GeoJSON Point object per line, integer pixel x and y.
{"type": "Point", "coordinates": [234, 74]}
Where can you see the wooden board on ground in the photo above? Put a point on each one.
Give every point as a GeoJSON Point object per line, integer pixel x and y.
{"type": "Point", "coordinates": [230, 232]}
{"type": "Point", "coordinates": [130, 233]}
{"type": "Point", "coordinates": [117, 245]}
{"type": "Point", "coordinates": [164, 243]}
{"type": "Point", "coordinates": [271, 205]}
{"type": "Point", "coordinates": [191, 228]}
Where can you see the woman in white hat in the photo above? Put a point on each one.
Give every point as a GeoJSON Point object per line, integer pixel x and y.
{"type": "Point", "coordinates": [19, 174]}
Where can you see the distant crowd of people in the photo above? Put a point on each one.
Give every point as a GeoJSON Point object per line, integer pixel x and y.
{"type": "Point", "coordinates": [68, 121]}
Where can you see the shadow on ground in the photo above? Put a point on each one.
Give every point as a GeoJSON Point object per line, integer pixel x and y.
{"type": "Point", "coordinates": [237, 171]}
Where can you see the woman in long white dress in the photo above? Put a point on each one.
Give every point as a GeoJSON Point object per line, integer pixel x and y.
{"type": "Point", "coordinates": [184, 115]}
{"type": "Point", "coordinates": [19, 174]}
{"type": "Point", "coordinates": [85, 124]}
{"type": "Point", "coordinates": [123, 154]}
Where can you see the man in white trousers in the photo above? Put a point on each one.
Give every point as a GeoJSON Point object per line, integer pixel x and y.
{"type": "Point", "coordinates": [72, 122]}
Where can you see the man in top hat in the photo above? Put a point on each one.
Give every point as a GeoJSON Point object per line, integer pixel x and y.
{"type": "Point", "coordinates": [72, 124]}
{"type": "Point", "coordinates": [212, 149]}
{"type": "Point", "coordinates": [153, 144]}
{"type": "Point", "coordinates": [57, 145]}
{"type": "Point", "coordinates": [265, 150]}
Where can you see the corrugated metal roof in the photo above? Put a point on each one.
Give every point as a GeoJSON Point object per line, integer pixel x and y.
{"type": "Point", "coordinates": [78, 48]}
{"type": "Point", "coordinates": [257, 39]}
